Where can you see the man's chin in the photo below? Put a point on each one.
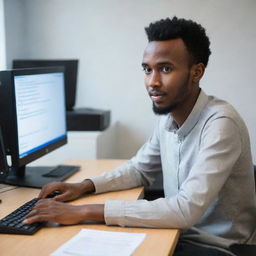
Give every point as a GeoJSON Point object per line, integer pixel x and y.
{"type": "Point", "coordinates": [163, 110]}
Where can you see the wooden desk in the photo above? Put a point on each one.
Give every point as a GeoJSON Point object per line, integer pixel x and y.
{"type": "Point", "coordinates": [48, 239]}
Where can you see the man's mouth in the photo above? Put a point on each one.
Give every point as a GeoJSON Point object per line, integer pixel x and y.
{"type": "Point", "coordinates": [156, 96]}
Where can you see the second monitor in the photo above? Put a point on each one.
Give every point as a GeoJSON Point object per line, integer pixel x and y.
{"type": "Point", "coordinates": [70, 74]}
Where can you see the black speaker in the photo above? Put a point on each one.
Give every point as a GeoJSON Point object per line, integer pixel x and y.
{"type": "Point", "coordinates": [88, 119]}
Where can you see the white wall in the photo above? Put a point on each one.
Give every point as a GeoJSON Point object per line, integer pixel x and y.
{"type": "Point", "coordinates": [15, 30]}
{"type": "Point", "coordinates": [108, 37]}
{"type": "Point", "coordinates": [2, 38]}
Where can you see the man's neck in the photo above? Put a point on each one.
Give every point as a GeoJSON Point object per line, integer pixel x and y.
{"type": "Point", "coordinates": [181, 114]}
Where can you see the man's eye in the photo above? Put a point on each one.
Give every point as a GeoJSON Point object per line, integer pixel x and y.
{"type": "Point", "coordinates": [147, 70]}
{"type": "Point", "coordinates": [166, 69]}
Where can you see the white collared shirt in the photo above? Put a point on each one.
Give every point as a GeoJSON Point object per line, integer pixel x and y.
{"type": "Point", "coordinates": [207, 175]}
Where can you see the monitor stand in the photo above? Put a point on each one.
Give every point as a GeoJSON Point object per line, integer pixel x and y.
{"type": "Point", "coordinates": [37, 176]}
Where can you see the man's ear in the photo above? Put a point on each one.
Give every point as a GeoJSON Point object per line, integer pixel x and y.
{"type": "Point", "coordinates": [197, 72]}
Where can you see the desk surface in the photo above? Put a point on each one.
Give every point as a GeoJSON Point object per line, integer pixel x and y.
{"type": "Point", "coordinates": [48, 239]}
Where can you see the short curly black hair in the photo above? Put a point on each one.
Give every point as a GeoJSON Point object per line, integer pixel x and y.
{"type": "Point", "coordinates": [192, 34]}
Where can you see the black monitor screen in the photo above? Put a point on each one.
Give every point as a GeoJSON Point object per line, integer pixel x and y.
{"type": "Point", "coordinates": [71, 70]}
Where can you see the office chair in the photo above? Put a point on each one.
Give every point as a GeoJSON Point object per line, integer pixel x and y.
{"type": "Point", "coordinates": [255, 176]}
{"type": "Point", "coordinates": [156, 190]}
{"type": "Point", "coordinates": [245, 249]}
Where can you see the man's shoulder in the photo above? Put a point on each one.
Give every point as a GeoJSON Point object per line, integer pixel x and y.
{"type": "Point", "coordinates": [218, 108]}
{"type": "Point", "coordinates": [219, 115]}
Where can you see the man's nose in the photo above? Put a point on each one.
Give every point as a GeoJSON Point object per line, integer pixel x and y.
{"type": "Point", "coordinates": [153, 80]}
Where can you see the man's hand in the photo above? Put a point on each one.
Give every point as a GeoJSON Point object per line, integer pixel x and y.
{"type": "Point", "coordinates": [67, 191]}
{"type": "Point", "coordinates": [53, 211]}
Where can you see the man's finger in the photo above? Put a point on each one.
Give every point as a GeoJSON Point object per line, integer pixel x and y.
{"type": "Point", "coordinates": [45, 192]}
{"type": "Point", "coordinates": [32, 213]}
{"type": "Point", "coordinates": [37, 218]}
{"type": "Point", "coordinates": [48, 189]}
{"type": "Point", "coordinates": [62, 197]}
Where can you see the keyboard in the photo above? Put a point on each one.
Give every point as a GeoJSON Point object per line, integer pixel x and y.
{"type": "Point", "coordinates": [61, 171]}
{"type": "Point", "coordinates": [12, 223]}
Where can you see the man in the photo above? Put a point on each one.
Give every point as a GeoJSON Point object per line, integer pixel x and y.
{"type": "Point", "coordinates": [200, 144]}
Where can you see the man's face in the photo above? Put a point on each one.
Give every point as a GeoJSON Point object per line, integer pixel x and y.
{"type": "Point", "coordinates": [167, 74]}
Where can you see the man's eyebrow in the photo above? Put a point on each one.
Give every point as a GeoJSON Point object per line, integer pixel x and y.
{"type": "Point", "coordinates": [165, 63]}
{"type": "Point", "coordinates": [158, 63]}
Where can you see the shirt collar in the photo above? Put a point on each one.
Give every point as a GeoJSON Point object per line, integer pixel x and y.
{"type": "Point", "coordinates": [191, 120]}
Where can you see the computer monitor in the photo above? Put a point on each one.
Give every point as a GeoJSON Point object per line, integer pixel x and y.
{"type": "Point", "coordinates": [71, 70]}
{"type": "Point", "coordinates": [33, 121]}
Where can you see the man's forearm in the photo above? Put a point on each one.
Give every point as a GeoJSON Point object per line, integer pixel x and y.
{"type": "Point", "coordinates": [87, 186]}
{"type": "Point", "coordinates": [93, 212]}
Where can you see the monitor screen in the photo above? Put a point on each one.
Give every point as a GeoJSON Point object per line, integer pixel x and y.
{"type": "Point", "coordinates": [70, 73]}
{"type": "Point", "coordinates": [40, 111]}
{"type": "Point", "coordinates": [33, 121]}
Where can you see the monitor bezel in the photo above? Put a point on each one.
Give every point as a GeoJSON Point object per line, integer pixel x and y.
{"type": "Point", "coordinates": [16, 160]}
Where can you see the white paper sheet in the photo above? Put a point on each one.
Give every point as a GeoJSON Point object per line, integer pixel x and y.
{"type": "Point", "coordinates": [90, 242]}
